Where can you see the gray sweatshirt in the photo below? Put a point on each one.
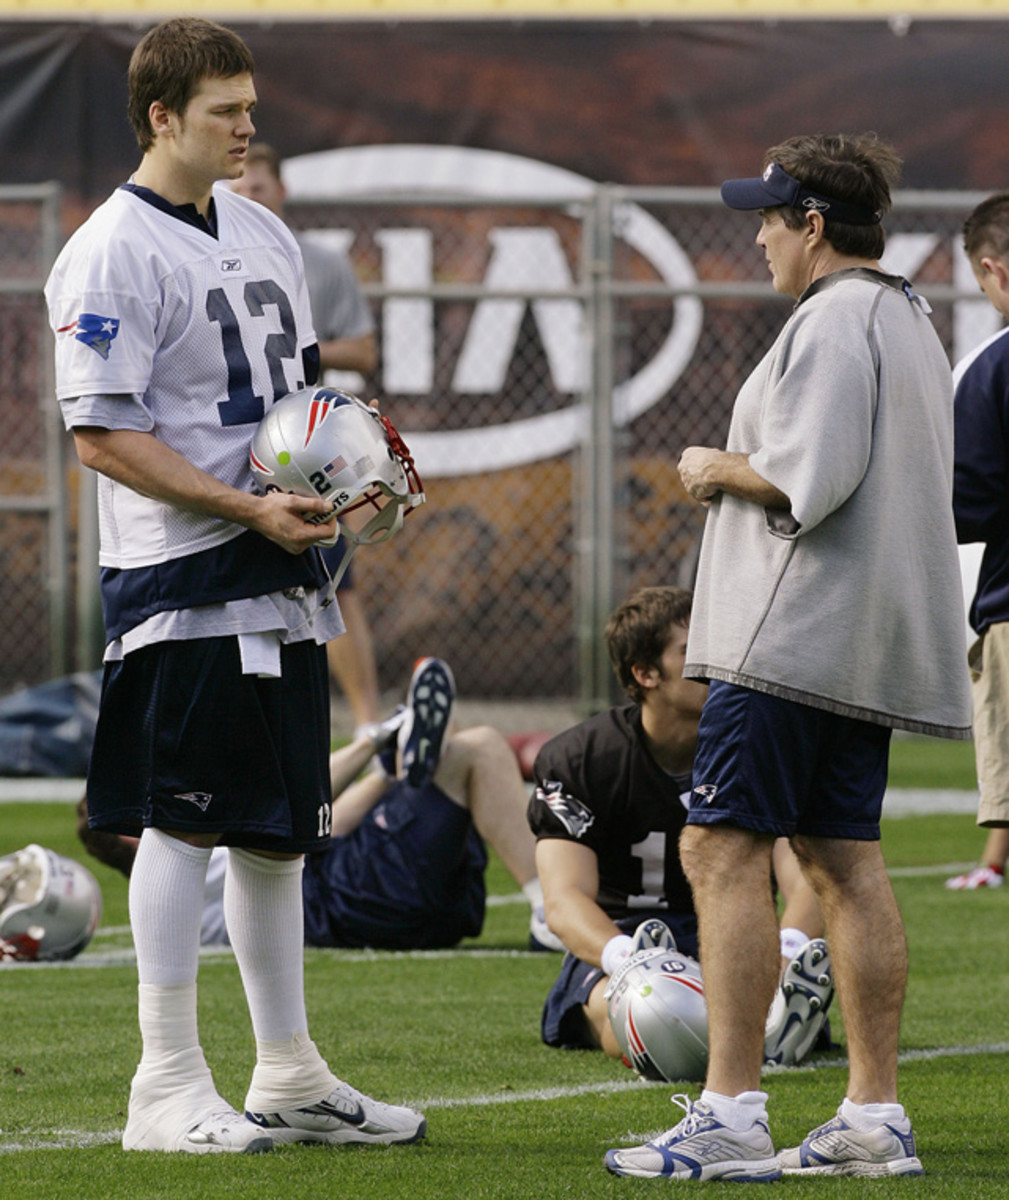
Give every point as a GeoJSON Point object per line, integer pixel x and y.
{"type": "Point", "coordinates": [851, 601]}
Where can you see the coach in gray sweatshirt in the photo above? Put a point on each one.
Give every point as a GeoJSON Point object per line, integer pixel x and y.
{"type": "Point", "coordinates": [827, 612]}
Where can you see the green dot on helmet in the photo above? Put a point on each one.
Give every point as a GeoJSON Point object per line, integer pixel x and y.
{"type": "Point", "coordinates": [283, 458]}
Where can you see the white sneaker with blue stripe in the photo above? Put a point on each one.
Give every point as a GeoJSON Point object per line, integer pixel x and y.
{"type": "Point", "coordinates": [701, 1147]}
{"type": "Point", "coordinates": [837, 1148]}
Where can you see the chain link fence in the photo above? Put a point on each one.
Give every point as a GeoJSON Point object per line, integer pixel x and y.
{"type": "Point", "coordinates": [547, 360]}
{"type": "Point", "coordinates": [35, 551]}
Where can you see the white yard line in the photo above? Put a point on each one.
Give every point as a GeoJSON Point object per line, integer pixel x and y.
{"type": "Point", "coordinates": [71, 1139]}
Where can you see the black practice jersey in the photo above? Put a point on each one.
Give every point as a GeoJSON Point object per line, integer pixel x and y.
{"type": "Point", "coordinates": [597, 784]}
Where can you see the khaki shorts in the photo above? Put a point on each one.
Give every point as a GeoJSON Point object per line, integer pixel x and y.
{"type": "Point", "coordinates": [989, 672]}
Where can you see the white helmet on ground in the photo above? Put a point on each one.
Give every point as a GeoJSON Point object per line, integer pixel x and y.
{"type": "Point", "coordinates": [49, 906]}
{"type": "Point", "coordinates": [657, 1011]}
{"type": "Point", "coordinates": [324, 442]}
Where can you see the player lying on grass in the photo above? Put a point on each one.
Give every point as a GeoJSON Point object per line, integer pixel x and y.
{"type": "Point", "coordinates": [607, 812]}
{"type": "Point", "coordinates": [405, 866]}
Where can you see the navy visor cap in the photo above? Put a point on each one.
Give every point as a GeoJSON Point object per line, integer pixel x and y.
{"type": "Point", "coordinates": [776, 188]}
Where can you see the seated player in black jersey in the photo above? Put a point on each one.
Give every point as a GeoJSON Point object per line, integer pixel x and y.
{"type": "Point", "coordinates": [405, 866]}
{"type": "Point", "coordinates": [607, 811]}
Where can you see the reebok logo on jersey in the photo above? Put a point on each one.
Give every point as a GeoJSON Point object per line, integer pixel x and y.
{"type": "Point", "coordinates": [229, 266]}
{"type": "Point", "coordinates": [200, 799]}
{"type": "Point", "coordinates": [95, 331]}
{"type": "Point", "coordinates": [706, 791]}
{"type": "Point", "coordinates": [575, 816]}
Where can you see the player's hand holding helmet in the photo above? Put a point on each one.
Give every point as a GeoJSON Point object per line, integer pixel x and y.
{"type": "Point", "coordinates": [327, 443]}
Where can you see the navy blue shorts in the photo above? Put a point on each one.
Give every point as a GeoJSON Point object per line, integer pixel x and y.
{"type": "Point", "coordinates": [411, 876]}
{"type": "Point", "coordinates": [186, 742]}
{"type": "Point", "coordinates": [562, 1023]}
{"type": "Point", "coordinates": [331, 556]}
{"type": "Point", "coordinates": [779, 767]}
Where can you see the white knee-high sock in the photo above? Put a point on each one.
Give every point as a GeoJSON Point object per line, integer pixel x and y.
{"type": "Point", "coordinates": [166, 907]}
{"type": "Point", "coordinates": [166, 904]}
{"type": "Point", "coordinates": [263, 910]}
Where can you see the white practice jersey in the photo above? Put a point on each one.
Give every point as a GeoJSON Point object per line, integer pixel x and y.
{"type": "Point", "coordinates": [197, 336]}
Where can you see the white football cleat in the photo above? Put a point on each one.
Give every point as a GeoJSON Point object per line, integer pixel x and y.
{"type": "Point", "coordinates": [429, 701]}
{"type": "Point", "coordinates": [178, 1108]}
{"type": "Point", "coordinates": [344, 1116]}
{"type": "Point", "coordinates": [799, 1009]}
{"type": "Point", "coordinates": [220, 1131]}
{"type": "Point", "coordinates": [651, 935]}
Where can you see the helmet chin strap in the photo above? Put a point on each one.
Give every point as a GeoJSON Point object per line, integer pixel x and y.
{"type": "Point", "coordinates": [379, 528]}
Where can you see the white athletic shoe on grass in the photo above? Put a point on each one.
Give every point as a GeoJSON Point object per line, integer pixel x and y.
{"type": "Point", "coordinates": [219, 1130]}
{"type": "Point", "coordinates": [345, 1116]}
{"type": "Point", "coordinates": [800, 1004]}
{"type": "Point", "coordinates": [701, 1147]}
{"type": "Point", "coordinates": [838, 1149]}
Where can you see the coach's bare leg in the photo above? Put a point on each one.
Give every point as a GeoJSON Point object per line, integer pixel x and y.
{"type": "Point", "coordinates": [729, 873]}
{"type": "Point", "coordinates": [478, 770]}
{"type": "Point", "coordinates": [869, 955]}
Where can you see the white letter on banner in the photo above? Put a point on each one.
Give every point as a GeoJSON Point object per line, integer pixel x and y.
{"type": "Point", "coordinates": [531, 259]}
{"type": "Point", "coordinates": [407, 325]}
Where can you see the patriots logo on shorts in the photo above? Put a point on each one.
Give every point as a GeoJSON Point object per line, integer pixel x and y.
{"type": "Point", "coordinates": [572, 813]}
{"type": "Point", "coordinates": [200, 799]}
{"type": "Point", "coordinates": [95, 331]}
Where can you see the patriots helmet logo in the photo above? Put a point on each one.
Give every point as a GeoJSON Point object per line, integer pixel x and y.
{"type": "Point", "coordinates": [323, 402]}
{"type": "Point", "coordinates": [95, 331]}
{"type": "Point", "coordinates": [573, 814]}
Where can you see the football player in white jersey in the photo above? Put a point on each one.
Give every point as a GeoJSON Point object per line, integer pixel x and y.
{"type": "Point", "coordinates": [181, 314]}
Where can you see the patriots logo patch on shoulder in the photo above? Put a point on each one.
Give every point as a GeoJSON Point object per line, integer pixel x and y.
{"type": "Point", "coordinates": [573, 814]}
{"type": "Point", "coordinates": [95, 331]}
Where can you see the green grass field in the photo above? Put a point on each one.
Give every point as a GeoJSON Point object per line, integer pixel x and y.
{"type": "Point", "coordinates": [457, 1033]}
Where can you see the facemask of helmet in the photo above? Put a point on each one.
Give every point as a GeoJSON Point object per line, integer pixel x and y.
{"type": "Point", "coordinates": [324, 442]}
{"type": "Point", "coordinates": [49, 906]}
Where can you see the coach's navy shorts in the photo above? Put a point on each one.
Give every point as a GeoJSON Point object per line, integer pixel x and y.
{"type": "Point", "coordinates": [563, 1023]}
{"type": "Point", "coordinates": [779, 767]}
{"type": "Point", "coordinates": [410, 876]}
{"type": "Point", "coordinates": [186, 742]}
{"type": "Point", "coordinates": [331, 556]}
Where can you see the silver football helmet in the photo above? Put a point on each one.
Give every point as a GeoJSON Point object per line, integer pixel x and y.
{"type": "Point", "coordinates": [324, 442]}
{"type": "Point", "coordinates": [656, 1007]}
{"type": "Point", "coordinates": [49, 906]}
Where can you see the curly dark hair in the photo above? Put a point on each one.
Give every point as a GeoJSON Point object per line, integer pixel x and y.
{"type": "Point", "coordinates": [639, 631]}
